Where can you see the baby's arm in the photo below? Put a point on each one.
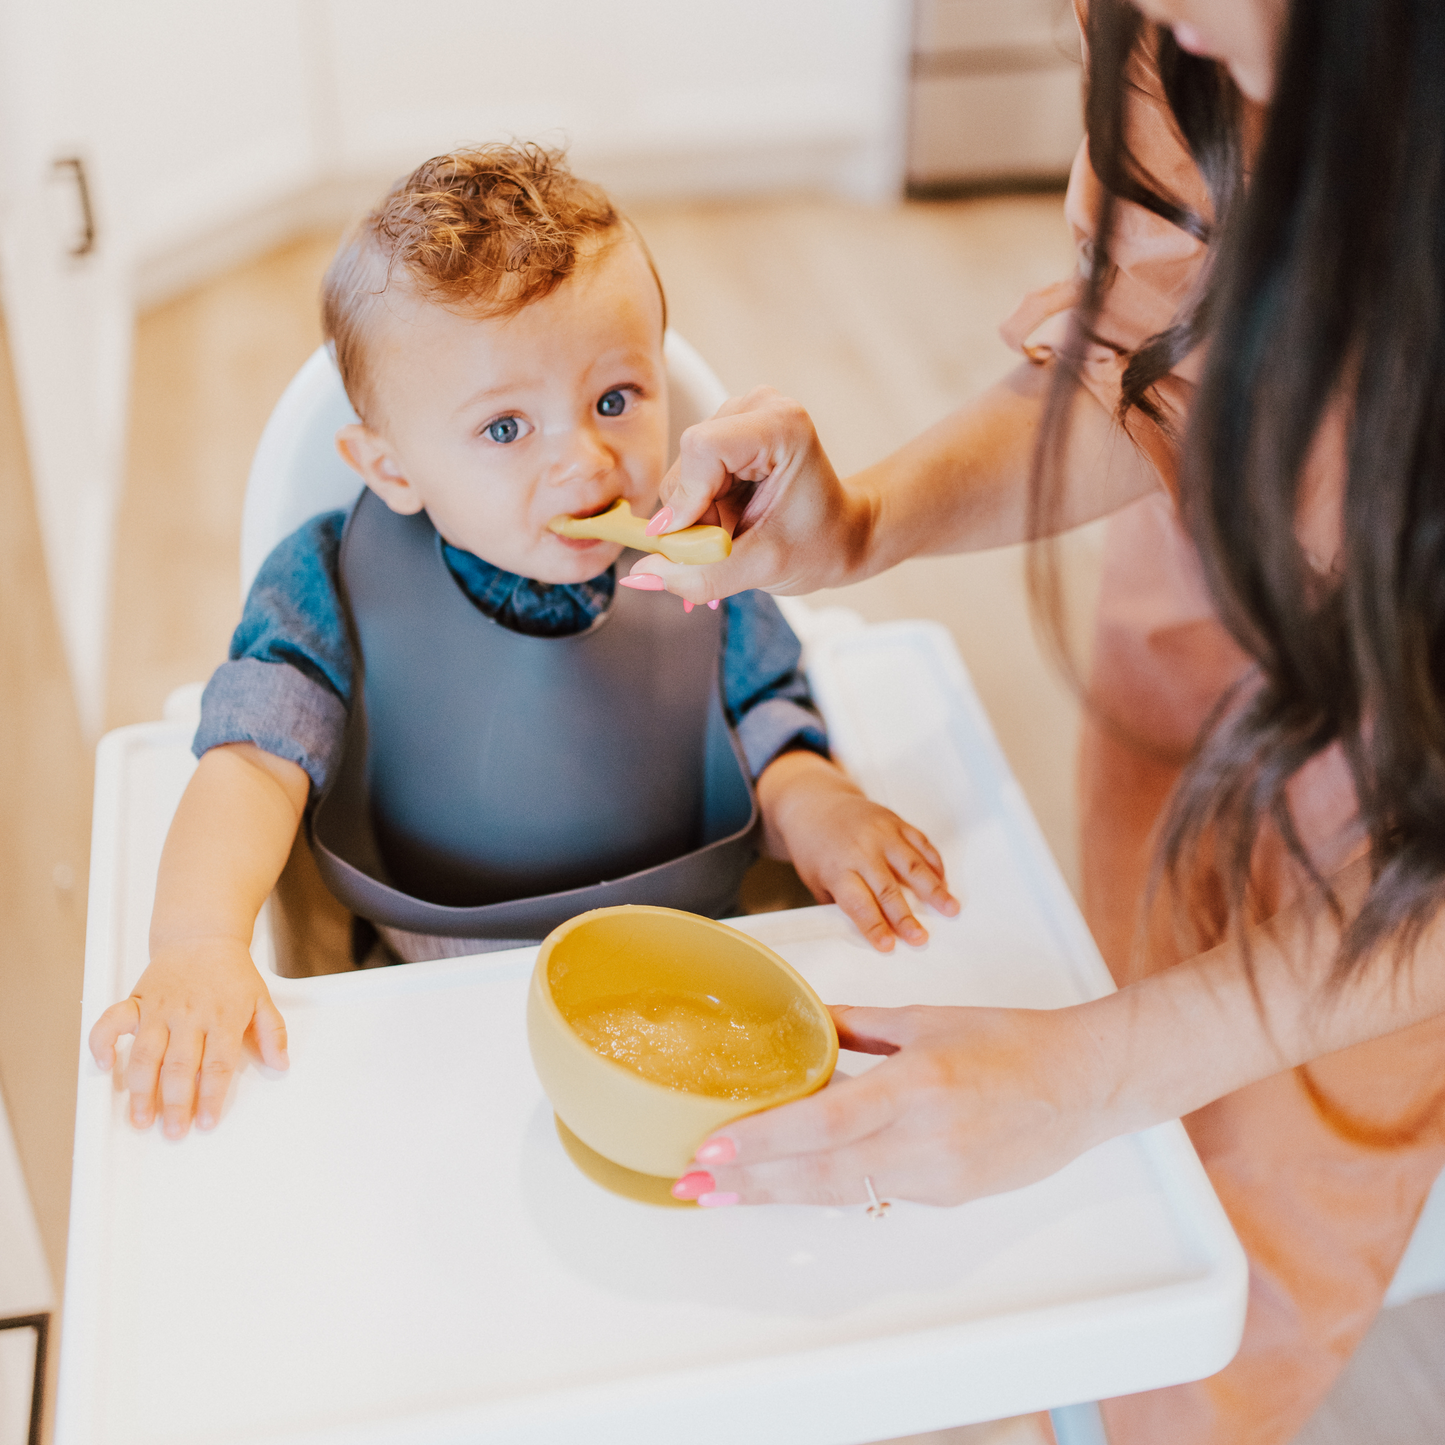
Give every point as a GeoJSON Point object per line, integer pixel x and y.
{"type": "Point", "coordinates": [201, 994]}
{"type": "Point", "coordinates": [848, 849]}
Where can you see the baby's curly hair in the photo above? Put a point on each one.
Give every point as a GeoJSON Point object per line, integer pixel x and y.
{"type": "Point", "coordinates": [485, 230]}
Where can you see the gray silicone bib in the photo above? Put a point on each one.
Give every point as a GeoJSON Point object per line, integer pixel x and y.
{"type": "Point", "coordinates": [494, 785]}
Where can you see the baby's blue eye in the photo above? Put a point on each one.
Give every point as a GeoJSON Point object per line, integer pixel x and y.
{"type": "Point", "coordinates": [613, 403]}
{"type": "Point", "coordinates": [505, 429]}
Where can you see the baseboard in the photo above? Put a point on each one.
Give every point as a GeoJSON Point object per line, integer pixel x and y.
{"type": "Point", "coordinates": [841, 166]}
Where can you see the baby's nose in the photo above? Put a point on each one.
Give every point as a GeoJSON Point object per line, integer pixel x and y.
{"type": "Point", "coordinates": [583, 454]}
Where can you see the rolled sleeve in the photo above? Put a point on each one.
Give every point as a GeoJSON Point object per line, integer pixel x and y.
{"type": "Point", "coordinates": [277, 707]}
{"type": "Point", "coordinates": [779, 725]}
{"type": "Point", "coordinates": [288, 683]}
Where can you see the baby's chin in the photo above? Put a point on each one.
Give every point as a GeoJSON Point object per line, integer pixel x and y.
{"type": "Point", "coordinates": [562, 561]}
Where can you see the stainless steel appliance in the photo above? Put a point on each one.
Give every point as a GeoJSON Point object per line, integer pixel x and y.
{"type": "Point", "coordinates": [995, 93]}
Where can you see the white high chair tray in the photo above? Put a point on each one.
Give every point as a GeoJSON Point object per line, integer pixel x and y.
{"type": "Point", "coordinates": [388, 1244]}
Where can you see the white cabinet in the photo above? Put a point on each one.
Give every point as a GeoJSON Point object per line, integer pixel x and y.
{"type": "Point", "coordinates": [201, 112]}
{"type": "Point", "coordinates": [68, 320]}
{"type": "Point", "coordinates": [155, 123]}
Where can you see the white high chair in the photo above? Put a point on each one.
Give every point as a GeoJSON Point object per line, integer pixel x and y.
{"type": "Point", "coordinates": [1118, 1274]}
{"type": "Point", "coordinates": [602, 1318]}
{"type": "Point", "coordinates": [297, 473]}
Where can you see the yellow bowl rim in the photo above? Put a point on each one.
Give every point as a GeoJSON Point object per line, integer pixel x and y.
{"type": "Point", "coordinates": [755, 1104]}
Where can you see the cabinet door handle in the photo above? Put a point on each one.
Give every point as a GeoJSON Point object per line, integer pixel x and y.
{"type": "Point", "coordinates": [76, 166]}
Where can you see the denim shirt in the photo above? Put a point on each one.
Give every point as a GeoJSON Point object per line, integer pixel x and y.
{"type": "Point", "coordinates": [288, 684]}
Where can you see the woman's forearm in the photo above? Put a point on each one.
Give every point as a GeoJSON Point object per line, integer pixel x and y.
{"type": "Point", "coordinates": [1193, 1033]}
{"type": "Point", "coordinates": [963, 485]}
{"type": "Point", "coordinates": [759, 469]}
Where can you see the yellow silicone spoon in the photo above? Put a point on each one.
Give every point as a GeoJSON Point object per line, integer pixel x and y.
{"type": "Point", "coordinates": [693, 546]}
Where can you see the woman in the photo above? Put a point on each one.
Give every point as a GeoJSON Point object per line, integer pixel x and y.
{"type": "Point", "coordinates": [1250, 375]}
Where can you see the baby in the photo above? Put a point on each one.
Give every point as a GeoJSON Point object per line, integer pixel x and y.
{"type": "Point", "coordinates": [482, 734]}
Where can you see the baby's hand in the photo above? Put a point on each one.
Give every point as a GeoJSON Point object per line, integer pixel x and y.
{"type": "Point", "coordinates": [849, 850]}
{"type": "Point", "coordinates": [191, 1011]}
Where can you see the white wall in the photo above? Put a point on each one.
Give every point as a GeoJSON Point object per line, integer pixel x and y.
{"type": "Point", "coordinates": [655, 95]}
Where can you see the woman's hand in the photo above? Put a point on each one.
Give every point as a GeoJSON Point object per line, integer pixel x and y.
{"type": "Point", "coordinates": [758, 470]}
{"type": "Point", "coordinates": [850, 850]}
{"type": "Point", "coordinates": [971, 1102]}
{"type": "Point", "coordinates": [974, 1101]}
{"type": "Point", "coordinates": [191, 1012]}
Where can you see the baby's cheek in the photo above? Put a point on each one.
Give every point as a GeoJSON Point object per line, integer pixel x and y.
{"type": "Point", "coordinates": [644, 468]}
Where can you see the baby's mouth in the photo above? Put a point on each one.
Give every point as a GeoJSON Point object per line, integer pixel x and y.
{"type": "Point", "coordinates": [610, 523]}
{"type": "Point", "coordinates": [580, 531]}
{"type": "Point", "coordinates": [596, 511]}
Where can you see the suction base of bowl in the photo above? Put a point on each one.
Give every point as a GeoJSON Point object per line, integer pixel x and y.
{"type": "Point", "coordinates": [628, 1183]}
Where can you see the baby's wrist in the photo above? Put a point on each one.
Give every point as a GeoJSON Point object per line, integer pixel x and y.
{"type": "Point", "coordinates": [195, 940]}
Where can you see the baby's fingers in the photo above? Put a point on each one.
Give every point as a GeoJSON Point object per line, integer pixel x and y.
{"type": "Point", "coordinates": [271, 1034]}
{"type": "Point", "coordinates": [922, 874]}
{"type": "Point", "coordinates": [870, 912]}
{"type": "Point", "coordinates": [218, 1067]}
{"type": "Point", "coordinates": [178, 1081]}
{"type": "Point", "coordinates": [894, 903]}
{"type": "Point", "coordinates": [923, 844]}
{"type": "Point", "coordinates": [120, 1018]}
{"type": "Point", "coordinates": [142, 1071]}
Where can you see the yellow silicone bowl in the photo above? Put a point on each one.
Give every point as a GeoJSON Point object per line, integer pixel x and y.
{"type": "Point", "coordinates": [636, 963]}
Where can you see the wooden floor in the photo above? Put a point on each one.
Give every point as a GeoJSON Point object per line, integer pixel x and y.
{"type": "Point", "coordinates": [878, 320]}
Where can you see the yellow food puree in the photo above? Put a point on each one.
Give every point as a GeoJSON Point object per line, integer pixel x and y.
{"type": "Point", "coordinates": [692, 1041]}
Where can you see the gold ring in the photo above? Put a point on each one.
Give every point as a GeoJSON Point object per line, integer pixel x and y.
{"type": "Point", "coordinates": [877, 1208]}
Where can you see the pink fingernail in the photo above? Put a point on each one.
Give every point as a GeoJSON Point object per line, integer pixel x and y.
{"type": "Point", "coordinates": [687, 606]}
{"type": "Point", "coordinates": [204, 1121]}
{"type": "Point", "coordinates": [717, 1201]}
{"type": "Point", "coordinates": [644, 582]}
{"type": "Point", "coordinates": [716, 1151]}
{"type": "Point", "coordinates": [660, 522]}
{"type": "Point", "coordinates": [691, 1186]}
{"type": "Point", "coordinates": [713, 604]}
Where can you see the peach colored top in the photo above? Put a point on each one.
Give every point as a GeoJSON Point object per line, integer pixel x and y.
{"type": "Point", "coordinates": [1322, 1169]}
{"type": "Point", "coordinates": [1156, 266]}
{"type": "Point", "coordinates": [1162, 657]}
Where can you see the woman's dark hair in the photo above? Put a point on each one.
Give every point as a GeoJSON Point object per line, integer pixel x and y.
{"type": "Point", "coordinates": [1325, 289]}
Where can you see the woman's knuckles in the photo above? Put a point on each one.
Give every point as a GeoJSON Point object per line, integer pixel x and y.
{"type": "Point", "coordinates": [807, 1178]}
{"type": "Point", "coordinates": [937, 1078]}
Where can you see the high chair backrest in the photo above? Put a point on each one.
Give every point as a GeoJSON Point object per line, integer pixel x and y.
{"type": "Point", "coordinates": [297, 471]}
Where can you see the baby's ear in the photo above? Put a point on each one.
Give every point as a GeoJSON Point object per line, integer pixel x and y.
{"type": "Point", "coordinates": [369, 454]}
